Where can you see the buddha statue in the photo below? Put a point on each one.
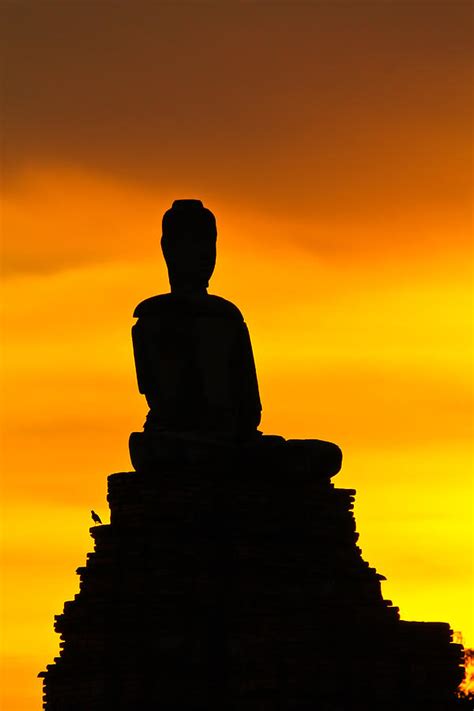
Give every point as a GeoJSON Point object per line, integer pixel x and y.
{"type": "Point", "coordinates": [192, 350]}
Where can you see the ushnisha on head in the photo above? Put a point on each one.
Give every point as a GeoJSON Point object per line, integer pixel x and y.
{"type": "Point", "coordinates": [188, 243]}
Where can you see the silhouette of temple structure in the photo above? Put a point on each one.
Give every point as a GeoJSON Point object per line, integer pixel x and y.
{"type": "Point", "coordinates": [229, 576]}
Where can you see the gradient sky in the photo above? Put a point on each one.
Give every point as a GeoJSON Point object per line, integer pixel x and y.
{"type": "Point", "coordinates": [332, 141]}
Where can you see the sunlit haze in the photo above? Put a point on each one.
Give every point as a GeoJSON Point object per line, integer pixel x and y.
{"type": "Point", "coordinates": [331, 141]}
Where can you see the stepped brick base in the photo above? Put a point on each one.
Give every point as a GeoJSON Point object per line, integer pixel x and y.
{"type": "Point", "coordinates": [236, 583]}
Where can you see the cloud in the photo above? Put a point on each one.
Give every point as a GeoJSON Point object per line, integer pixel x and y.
{"type": "Point", "coordinates": [56, 219]}
{"type": "Point", "coordinates": [316, 110]}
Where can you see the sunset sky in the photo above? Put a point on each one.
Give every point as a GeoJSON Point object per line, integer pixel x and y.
{"type": "Point", "coordinates": [332, 141]}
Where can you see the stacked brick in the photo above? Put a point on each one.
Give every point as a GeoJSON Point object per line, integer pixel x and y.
{"type": "Point", "coordinates": [233, 581]}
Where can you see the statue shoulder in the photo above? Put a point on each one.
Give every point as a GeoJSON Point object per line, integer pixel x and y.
{"type": "Point", "coordinates": [222, 307]}
{"type": "Point", "coordinates": [153, 306]}
{"type": "Point", "coordinates": [208, 305]}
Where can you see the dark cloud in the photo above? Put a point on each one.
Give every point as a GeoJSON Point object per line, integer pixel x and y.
{"type": "Point", "coordinates": [308, 109]}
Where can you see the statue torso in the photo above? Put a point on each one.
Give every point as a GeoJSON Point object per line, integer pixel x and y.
{"type": "Point", "coordinates": [195, 365]}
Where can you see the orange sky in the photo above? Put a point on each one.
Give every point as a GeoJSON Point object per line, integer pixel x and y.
{"type": "Point", "coordinates": [331, 140]}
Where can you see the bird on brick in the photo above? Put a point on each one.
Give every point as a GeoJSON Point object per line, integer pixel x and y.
{"type": "Point", "coordinates": [95, 517]}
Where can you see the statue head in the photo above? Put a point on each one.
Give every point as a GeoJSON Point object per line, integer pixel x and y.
{"type": "Point", "coordinates": [189, 245]}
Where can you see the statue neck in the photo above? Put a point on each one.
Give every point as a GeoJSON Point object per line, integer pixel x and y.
{"type": "Point", "coordinates": [189, 291]}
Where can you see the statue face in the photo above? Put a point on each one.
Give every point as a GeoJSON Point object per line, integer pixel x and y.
{"type": "Point", "coordinates": [189, 244]}
{"type": "Point", "coordinates": [190, 259]}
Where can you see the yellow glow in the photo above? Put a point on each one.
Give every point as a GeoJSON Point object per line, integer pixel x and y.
{"type": "Point", "coordinates": [378, 362]}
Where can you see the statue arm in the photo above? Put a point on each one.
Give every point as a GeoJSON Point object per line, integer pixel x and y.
{"type": "Point", "coordinates": [251, 406]}
{"type": "Point", "coordinates": [141, 358]}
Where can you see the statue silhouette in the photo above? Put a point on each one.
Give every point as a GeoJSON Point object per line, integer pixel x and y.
{"type": "Point", "coordinates": [230, 568]}
{"type": "Point", "coordinates": [193, 355]}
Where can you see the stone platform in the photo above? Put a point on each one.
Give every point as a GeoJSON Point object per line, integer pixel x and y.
{"type": "Point", "coordinates": [235, 582]}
